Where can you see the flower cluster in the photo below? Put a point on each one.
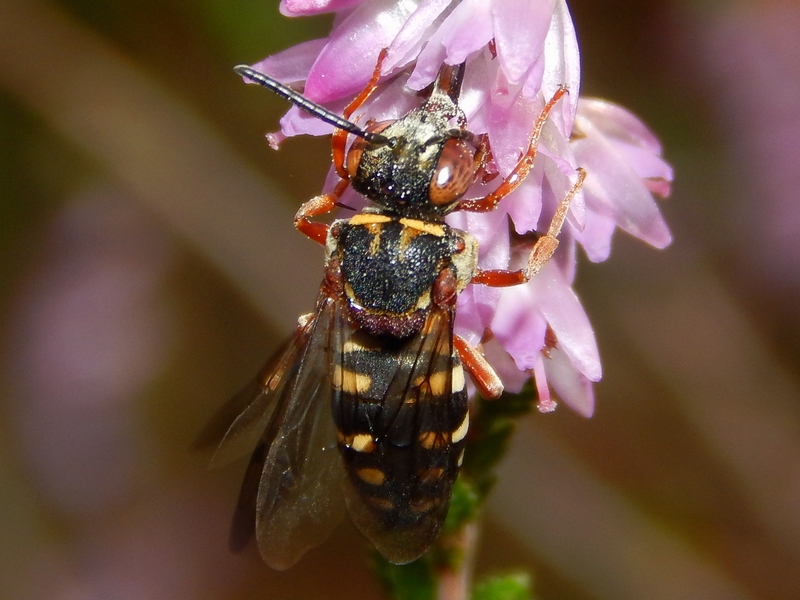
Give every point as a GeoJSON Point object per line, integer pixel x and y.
{"type": "Point", "coordinates": [518, 53]}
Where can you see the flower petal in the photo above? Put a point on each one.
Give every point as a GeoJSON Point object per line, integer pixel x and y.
{"type": "Point", "coordinates": [510, 122]}
{"type": "Point", "coordinates": [572, 386]}
{"type": "Point", "coordinates": [291, 66]}
{"type": "Point", "coordinates": [525, 205]}
{"type": "Point", "coordinates": [562, 66]}
{"type": "Point", "coordinates": [415, 32]}
{"type": "Point", "coordinates": [391, 101]}
{"type": "Point", "coordinates": [560, 167]}
{"type": "Point", "coordinates": [478, 303]}
{"type": "Point", "coordinates": [467, 29]}
{"type": "Point", "coordinates": [475, 91]}
{"type": "Point", "coordinates": [614, 188]}
{"type": "Point", "coordinates": [520, 28]}
{"type": "Point", "coordinates": [491, 231]}
{"type": "Point", "coordinates": [299, 122]}
{"type": "Point", "coordinates": [566, 317]}
{"type": "Point", "coordinates": [619, 123]}
{"type": "Point", "coordinates": [596, 235]}
{"type": "Point", "coordinates": [513, 379]}
{"type": "Point", "coordinates": [475, 309]}
{"type": "Point", "coordinates": [646, 164]}
{"type": "Point", "coordinates": [346, 63]}
{"type": "Point", "coordinates": [519, 328]}
{"type": "Point", "coordinates": [299, 8]}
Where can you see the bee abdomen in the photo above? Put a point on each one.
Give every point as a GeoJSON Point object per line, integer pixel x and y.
{"type": "Point", "coordinates": [401, 466]}
{"type": "Point", "coordinates": [400, 484]}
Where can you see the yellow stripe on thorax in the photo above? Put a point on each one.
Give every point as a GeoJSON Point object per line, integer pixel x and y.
{"type": "Point", "coordinates": [425, 226]}
{"type": "Point", "coordinates": [369, 219]}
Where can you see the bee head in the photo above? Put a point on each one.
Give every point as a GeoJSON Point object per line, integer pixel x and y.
{"type": "Point", "coordinates": [425, 165]}
{"type": "Point", "coordinates": [417, 166]}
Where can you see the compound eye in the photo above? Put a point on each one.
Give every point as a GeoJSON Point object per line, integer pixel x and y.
{"type": "Point", "coordinates": [359, 145]}
{"type": "Point", "coordinates": [454, 173]}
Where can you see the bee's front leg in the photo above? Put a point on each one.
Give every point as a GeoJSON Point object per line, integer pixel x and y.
{"type": "Point", "coordinates": [318, 205]}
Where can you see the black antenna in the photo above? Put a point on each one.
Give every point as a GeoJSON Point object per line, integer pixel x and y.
{"type": "Point", "coordinates": [310, 107]}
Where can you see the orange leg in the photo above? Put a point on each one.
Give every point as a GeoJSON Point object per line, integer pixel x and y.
{"type": "Point", "coordinates": [483, 155]}
{"type": "Point", "coordinates": [541, 252]}
{"type": "Point", "coordinates": [521, 170]}
{"type": "Point", "coordinates": [489, 384]}
{"type": "Point", "coordinates": [340, 136]}
{"type": "Point", "coordinates": [318, 205]}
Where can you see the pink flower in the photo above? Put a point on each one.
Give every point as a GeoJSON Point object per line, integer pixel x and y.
{"type": "Point", "coordinates": [624, 161]}
{"type": "Point", "coordinates": [518, 52]}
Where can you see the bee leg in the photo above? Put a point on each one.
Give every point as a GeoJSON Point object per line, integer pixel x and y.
{"type": "Point", "coordinates": [520, 171]}
{"type": "Point", "coordinates": [339, 138]}
{"type": "Point", "coordinates": [541, 252]}
{"type": "Point", "coordinates": [318, 205]}
{"type": "Point", "coordinates": [325, 203]}
{"type": "Point", "coordinates": [483, 156]}
{"type": "Point", "coordinates": [488, 383]}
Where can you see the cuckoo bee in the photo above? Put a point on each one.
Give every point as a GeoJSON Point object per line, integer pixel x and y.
{"type": "Point", "coordinates": [365, 408]}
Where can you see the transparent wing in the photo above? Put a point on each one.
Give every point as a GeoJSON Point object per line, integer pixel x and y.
{"type": "Point", "coordinates": [237, 427]}
{"type": "Point", "coordinates": [291, 493]}
{"type": "Point", "coordinates": [299, 499]}
{"type": "Point", "coordinates": [398, 491]}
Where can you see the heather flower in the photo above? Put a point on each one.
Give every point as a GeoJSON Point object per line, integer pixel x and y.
{"type": "Point", "coordinates": [624, 158]}
{"type": "Point", "coordinates": [518, 52]}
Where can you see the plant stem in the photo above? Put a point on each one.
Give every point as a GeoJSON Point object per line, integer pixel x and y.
{"type": "Point", "coordinates": [454, 582]}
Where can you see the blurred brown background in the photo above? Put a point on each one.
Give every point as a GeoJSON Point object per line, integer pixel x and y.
{"type": "Point", "coordinates": [149, 266]}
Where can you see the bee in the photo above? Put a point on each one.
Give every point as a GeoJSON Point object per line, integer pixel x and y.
{"type": "Point", "coordinates": [365, 408]}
